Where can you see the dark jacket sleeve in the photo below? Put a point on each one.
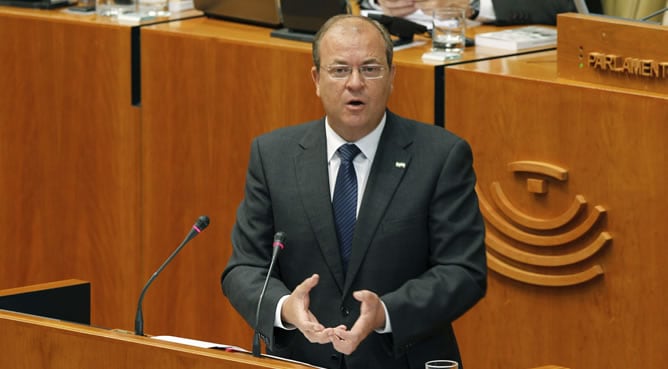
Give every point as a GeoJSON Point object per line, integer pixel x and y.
{"type": "Point", "coordinates": [536, 11]}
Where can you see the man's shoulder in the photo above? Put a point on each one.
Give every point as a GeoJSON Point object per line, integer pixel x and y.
{"type": "Point", "coordinates": [422, 130]}
{"type": "Point", "coordinates": [282, 140]}
{"type": "Point", "coordinates": [290, 131]}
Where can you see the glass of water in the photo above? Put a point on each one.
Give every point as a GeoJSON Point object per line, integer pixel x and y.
{"type": "Point", "coordinates": [155, 8]}
{"type": "Point", "coordinates": [441, 364]}
{"type": "Point", "coordinates": [448, 35]}
{"type": "Point", "coordinates": [114, 8]}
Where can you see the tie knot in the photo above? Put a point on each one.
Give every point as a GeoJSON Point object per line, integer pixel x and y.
{"type": "Point", "coordinates": [348, 152]}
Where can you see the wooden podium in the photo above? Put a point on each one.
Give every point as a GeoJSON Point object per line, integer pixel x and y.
{"type": "Point", "coordinates": [571, 165]}
{"type": "Point", "coordinates": [30, 341]}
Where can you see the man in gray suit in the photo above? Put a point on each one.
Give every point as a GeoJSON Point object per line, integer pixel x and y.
{"type": "Point", "coordinates": [418, 256]}
{"type": "Point", "coordinates": [499, 12]}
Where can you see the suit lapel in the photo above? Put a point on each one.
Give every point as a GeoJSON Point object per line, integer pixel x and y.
{"type": "Point", "coordinates": [313, 183]}
{"type": "Point", "coordinates": [389, 165]}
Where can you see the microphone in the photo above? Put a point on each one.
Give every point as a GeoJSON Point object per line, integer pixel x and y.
{"type": "Point", "coordinates": [649, 16]}
{"type": "Point", "coordinates": [278, 245]}
{"type": "Point", "coordinates": [581, 7]}
{"type": "Point", "coordinates": [201, 223]}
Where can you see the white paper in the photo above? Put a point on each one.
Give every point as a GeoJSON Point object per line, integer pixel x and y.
{"type": "Point", "coordinates": [197, 343]}
{"type": "Point", "coordinates": [204, 344]}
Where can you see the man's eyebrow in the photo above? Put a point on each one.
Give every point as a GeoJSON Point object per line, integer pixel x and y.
{"type": "Point", "coordinates": [366, 61]}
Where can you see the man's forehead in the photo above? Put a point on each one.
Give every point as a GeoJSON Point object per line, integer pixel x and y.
{"type": "Point", "coordinates": [350, 26]}
{"type": "Point", "coordinates": [345, 56]}
{"type": "Point", "coordinates": [361, 34]}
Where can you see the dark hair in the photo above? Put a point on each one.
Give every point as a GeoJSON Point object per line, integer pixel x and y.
{"type": "Point", "coordinates": [389, 51]}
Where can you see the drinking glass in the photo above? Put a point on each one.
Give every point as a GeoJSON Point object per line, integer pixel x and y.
{"type": "Point", "coordinates": [441, 364]}
{"type": "Point", "coordinates": [113, 8]}
{"type": "Point", "coordinates": [448, 34]}
{"type": "Point", "coordinates": [156, 8]}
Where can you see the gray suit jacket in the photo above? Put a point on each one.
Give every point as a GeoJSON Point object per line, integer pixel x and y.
{"type": "Point", "coordinates": [418, 243]}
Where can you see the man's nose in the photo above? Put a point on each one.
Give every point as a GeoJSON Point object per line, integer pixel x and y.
{"type": "Point", "coordinates": [355, 80]}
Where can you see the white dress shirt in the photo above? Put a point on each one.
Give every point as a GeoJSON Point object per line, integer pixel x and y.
{"type": "Point", "coordinates": [362, 162]}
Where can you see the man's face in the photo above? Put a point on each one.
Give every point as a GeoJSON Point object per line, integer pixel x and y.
{"type": "Point", "coordinates": [355, 104]}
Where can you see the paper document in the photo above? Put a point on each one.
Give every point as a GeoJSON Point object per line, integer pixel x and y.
{"type": "Point", "coordinates": [518, 38]}
{"type": "Point", "coordinates": [197, 343]}
{"type": "Point", "coordinates": [204, 344]}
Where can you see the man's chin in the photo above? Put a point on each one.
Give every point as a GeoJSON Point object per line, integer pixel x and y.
{"type": "Point", "coordinates": [356, 121]}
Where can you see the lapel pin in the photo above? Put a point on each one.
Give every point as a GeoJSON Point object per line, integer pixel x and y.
{"type": "Point", "coordinates": [400, 164]}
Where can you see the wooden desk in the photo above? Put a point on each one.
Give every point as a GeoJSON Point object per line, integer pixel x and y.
{"type": "Point", "coordinates": [418, 89]}
{"type": "Point", "coordinates": [593, 301]}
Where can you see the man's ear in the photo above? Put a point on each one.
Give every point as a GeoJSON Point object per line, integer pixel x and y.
{"type": "Point", "coordinates": [315, 75]}
{"type": "Point", "coordinates": [393, 73]}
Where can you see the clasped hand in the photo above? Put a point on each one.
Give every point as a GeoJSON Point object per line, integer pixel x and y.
{"type": "Point", "coordinates": [296, 312]}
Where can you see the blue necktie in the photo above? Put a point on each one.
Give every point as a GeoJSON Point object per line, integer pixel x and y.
{"type": "Point", "coordinates": [345, 201]}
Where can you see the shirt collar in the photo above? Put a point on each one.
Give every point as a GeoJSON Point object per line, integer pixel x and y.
{"type": "Point", "coordinates": [367, 144]}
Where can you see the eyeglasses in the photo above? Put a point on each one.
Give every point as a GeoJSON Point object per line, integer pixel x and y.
{"type": "Point", "coordinates": [368, 71]}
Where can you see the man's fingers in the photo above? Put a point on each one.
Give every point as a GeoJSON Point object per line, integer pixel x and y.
{"type": "Point", "coordinates": [343, 341]}
{"type": "Point", "coordinates": [363, 295]}
{"type": "Point", "coordinates": [307, 285]}
{"type": "Point", "coordinates": [318, 335]}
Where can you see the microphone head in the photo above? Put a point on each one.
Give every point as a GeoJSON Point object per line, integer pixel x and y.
{"type": "Point", "coordinates": [202, 222]}
{"type": "Point", "coordinates": [279, 239]}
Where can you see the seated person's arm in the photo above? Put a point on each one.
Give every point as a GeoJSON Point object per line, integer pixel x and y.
{"type": "Point", "coordinates": [395, 8]}
{"type": "Point", "coordinates": [510, 12]}
{"type": "Point", "coordinates": [400, 8]}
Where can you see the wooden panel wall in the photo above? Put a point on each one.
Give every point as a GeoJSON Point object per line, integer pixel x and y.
{"type": "Point", "coordinates": [69, 158]}
{"type": "Point", "coordinates": [544, 146]}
